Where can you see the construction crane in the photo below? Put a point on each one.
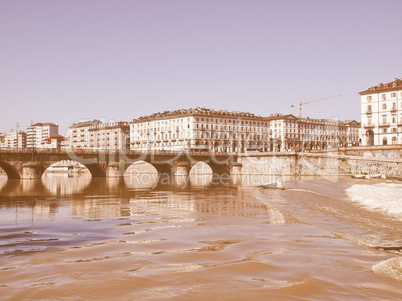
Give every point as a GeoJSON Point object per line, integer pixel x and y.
{"type": "Point", "coordinates": [304, 103]}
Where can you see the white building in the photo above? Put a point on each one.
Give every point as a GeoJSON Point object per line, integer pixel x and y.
{"type": "Point", "coordinates": [53, 142]}
{"type": "Point", "coordinates": [14, 140]}
{"type": "Point", "coordinates": [290, 133]}
{"type": "Point", "coordinates": [381, 114]}
{"type": "Point", "coordinates": [38, 133]}
{"type": "Point", "coordinates": [284, 132]}
{"type": "Point", "coordinates": [328, 133]}
{"type": "Point", "coordinates": [200, 129]}
{"type": "Point", "coordinates": [96, 135]}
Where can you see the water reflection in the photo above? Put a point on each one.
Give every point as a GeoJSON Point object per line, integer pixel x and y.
{"type": "Point", "coordinates": [58, 184]}
{"type": "Point", "coordinates": [110, 198]}
{"type": "Point", "coordinates": [62, 184]}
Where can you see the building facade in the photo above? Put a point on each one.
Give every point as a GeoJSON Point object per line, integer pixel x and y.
{"type": "Point", "coordinates": [96, 135]}
{"type": "Point", "coordinates": [284, 132]}
{"type": "Point", "coordinates": [200, 129]}
{"type": "Point", "coordinates": [328, 133]}
{"type": "Point", "coordinates": [53, 142]}
{"type": "Point", "coordinates": [2, 140]}
{"type": "Point", "coordinates": [14, 140]}
{"type": "Point", "coordinates": [289, 133]}
{"type": "Point", "coordinates": [381, 114]}
{"type": "Point", "coordinates": [38, 133]}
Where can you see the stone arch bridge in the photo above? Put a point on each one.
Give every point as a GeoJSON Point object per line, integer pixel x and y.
{"type": "Point", "coordinates": [32, 164]}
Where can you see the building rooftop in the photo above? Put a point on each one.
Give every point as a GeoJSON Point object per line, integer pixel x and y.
{"type": "Point", "coordinates": [42, 124]}
{"type": "Point", "coordinates": [85, 123]}
{"type": "Point", "coordinates": [97, 124]}
{"type": "Point", "coordinates": [278, 116]}
{"type": "Point", "coordinates": [198, 112]}
{"type": "Point", "coordinates": [58, 136]}
{"type": "Point", "coordinates": [396, 84]}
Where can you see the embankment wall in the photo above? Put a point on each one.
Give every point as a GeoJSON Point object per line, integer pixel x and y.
{"type": "Point", "coordinates": [309, 164]}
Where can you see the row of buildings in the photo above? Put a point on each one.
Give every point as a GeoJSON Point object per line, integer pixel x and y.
{"type": "Point", "coordinates": [192, 129]}
{"type": "Point", "coordinates": [223, 131]}
{"type": "Point", "coordinates": [38, 135]}
{"type": "Point", "coordinates": [227, 131]}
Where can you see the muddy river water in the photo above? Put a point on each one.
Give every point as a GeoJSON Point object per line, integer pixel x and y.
{"type": "Point", "coordinates": [77, 238]}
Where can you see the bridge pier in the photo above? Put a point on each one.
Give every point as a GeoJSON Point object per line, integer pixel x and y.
{"type": "Point", "coordinates": [236, 169]}
{"type": "Point", "coordinates": [32, 170]}
{"type": "Point", "coordinates": [116, 169]}
{"type": "Point", "coordinates": [236, 172]}
{"type": "Point", "coordinates": [181, 172]}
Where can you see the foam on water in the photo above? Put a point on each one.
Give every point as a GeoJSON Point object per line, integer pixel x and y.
{"type": "Point", "coordinates": [386, 197]}
{"type": "Point", "coordinates": [391, 268]}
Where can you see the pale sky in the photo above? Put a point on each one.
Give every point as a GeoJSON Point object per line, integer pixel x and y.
{"type": "Point", "coordinates": [64, 61]}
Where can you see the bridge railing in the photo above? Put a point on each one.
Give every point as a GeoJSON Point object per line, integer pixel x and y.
{"type": "Point", "coordinates": [128, 152]}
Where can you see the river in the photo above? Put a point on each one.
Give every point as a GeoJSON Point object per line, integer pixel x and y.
{"type": "Point", "coordinates": [77, 238]}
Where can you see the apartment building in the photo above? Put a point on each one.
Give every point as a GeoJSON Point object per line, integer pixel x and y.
{"type": "Point", "coordinates": [200, 129]}
{"type": "Point", "coordinates": [289, 133]}
{"type": "Point", "coordinates": [38, 133]}
{"type": "Point", "coordinates": [328, 133]}
{"type": "Point", "coordinates": [284, 132]}
{"type": "Point", "coordinates": [53, 142]}
{"type": "Point", "coordinates": [96, 135]}
{"type": "Point", "coordinates": [381, 114]}
{"type": "Point", "coordinates": [13, 140]}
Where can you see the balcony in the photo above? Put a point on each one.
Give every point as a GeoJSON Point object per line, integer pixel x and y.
{"type": "Point", "coordinates": [369, 125]}
{"type": "Point", "coordinates": [369, 112]}
{"type": "Point", "coordinates": [384, 124]}
{"type": "Point", "coordinates": [393, 109]}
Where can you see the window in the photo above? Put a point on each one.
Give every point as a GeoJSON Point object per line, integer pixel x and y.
{"type": "Point", "coordinates": [369, 98]}
{"type": "Point", "coordinates": [384, 106]}
{"type": "Point", "coordinates": [383, 97]}
{"type": "Point", "coordinates": [393, 95]}
{"type": "Point", "coordinates": [393, 130]}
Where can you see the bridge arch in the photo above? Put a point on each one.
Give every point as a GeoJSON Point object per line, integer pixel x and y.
{"type": "Point", "coordinates": [142, 173]}
{"type": "Point", "coordinates": [11, 171]}
{"type": "Point", "coordinates": [95, 169]}
{"type": "Point", "coordinates": [66, 166]}
{"type": "Point", "coordinates": [200, 174]}
{"type": "Point", "coordinates": [216, 173]}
